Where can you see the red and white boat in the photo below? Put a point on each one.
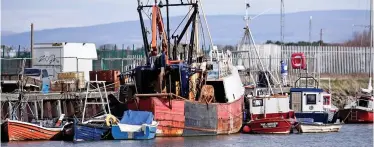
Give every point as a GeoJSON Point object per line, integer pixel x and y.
{"type": "Point", "coordinates": [268, 114]}
{"type": "Point", "coordinates": [361, 109]}
{"type": "Point", "coordinates": [13, 130]}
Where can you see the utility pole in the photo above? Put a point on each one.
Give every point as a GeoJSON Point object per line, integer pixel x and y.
{"type": "Point", "coordinates": [31, 42]}
{"type": "Point", "coordinates": [310, 30]}
{"type": "Point", "coordinates": [320, 37]}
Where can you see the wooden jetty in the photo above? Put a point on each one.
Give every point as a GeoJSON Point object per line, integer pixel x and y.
{"type": "Point", "coordinates": [47, 106]}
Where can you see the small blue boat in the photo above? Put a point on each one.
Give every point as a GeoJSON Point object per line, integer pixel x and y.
{"type": "Point", "coordinates": [135, 125]}
{"type": "Point", "coordinates": [91, 132]}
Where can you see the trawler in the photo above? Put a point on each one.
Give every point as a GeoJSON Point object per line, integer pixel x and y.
{"type": "Point", "coordinates": [189, 95]}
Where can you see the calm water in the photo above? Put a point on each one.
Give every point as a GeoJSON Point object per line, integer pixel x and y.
{"type": "Point", "coordinates": [349, 136]}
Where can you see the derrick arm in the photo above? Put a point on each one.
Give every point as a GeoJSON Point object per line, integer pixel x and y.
{"type": "Point", "coordinates": [144, 33]}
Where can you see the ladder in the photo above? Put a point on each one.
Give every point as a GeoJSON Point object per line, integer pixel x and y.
{"type": "Point", "coordinates": [354, 115]}
{"type": "Point", "coordinates": [103, 100]}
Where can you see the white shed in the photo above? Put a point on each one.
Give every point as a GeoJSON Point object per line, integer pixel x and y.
{"type": "Point", "coordinates": [64, 57]}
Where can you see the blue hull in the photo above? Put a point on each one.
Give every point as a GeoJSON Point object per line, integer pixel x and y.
{"type": "Point", "coordinates": [148, 133]}
{"type": "Point", "coordinates": [322, 117]}
{"type": "Point", "coordinates": [89, 132]}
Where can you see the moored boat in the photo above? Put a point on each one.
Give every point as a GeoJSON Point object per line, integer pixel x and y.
{"type": "Point", "coordinates": [312, 106]}
{"type": "Point", "coordinates": [14, 130]}
{"type": "Point", "coordinates": [91, 132]}
{"type": "Point", "coordinates": [313, 127]}
{"type": "Point", "coordinates": [188, 96]}
{"type": "Point", "coordinates": [359, 111]}
{"type": "Point", "coordinates": [268, 114]}
{"type": "Point", "coordinates": [135, 125]}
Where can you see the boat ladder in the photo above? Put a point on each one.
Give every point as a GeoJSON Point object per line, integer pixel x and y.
{"type": "Point", "coordinates": [354, 115]}
{"type": "Point", "coordinates": [103, 99]}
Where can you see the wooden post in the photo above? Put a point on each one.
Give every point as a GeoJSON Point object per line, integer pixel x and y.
{"type": "Point", "coordinates": [41, 109]}
{"type": "Point", "coordinates": [48, 109]}
{"type": "Point", "coordinates": [36, 110]}
{"type": "Point", "coordinates": [59, 108]}
{"type": "Point", "coordinates": [64, 108]}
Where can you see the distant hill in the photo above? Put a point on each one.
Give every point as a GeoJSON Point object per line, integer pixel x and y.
{"type": "Point", "coordinates": [225, 29]}
{"type": "Point", "coordinates": [6, 33]}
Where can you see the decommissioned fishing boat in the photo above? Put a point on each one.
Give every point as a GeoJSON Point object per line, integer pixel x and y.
{"type": "Point", "coordinates": [14, 130]}
{"type": "Point", "coordinates": [189, 95]}
{"type": "Point", "coordinates": [135, 125]}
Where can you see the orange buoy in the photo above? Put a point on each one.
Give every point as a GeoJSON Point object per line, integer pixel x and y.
{"type": "Point", "coordinates": [246, 129]}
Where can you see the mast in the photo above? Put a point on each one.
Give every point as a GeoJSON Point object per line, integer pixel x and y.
{"type": "Point", "coordinates": [372, 42]}
{"type": "Point", "coordinates": [168, 28]}
{"type": "Point", "coordinates": [282, 26]}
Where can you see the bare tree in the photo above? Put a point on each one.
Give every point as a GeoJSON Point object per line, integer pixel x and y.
{"type": "Point", "coordinates": [359, 39]}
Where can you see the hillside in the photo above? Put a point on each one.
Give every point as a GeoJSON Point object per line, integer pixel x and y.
{"type": "Point", "coordinates": [225, 29]}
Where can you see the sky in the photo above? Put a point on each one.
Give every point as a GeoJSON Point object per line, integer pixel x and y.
{"type": "Point", "coordinates": [17, 15]}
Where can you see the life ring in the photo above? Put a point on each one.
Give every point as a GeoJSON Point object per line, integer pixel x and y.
{"type": "Point", "coordinates": [110, 119]}
{"type": "Point", "coordinates": [298, 61]}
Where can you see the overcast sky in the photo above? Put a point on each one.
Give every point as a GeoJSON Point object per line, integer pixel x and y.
{"type": "Point", "coordinates": [16, 15]}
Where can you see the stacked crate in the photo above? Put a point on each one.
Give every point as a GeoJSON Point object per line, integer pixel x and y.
{"type": "Point", "coordinates": [69, 81]}
{"type": "Point", "coordinates": [109, 76]}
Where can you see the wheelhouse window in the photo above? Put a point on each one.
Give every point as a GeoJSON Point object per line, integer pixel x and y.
{"type": "Point", "coordinates": [311, 99]}
{"type": "Point", "coordinates": [363, 103]}
{"type": "Point", "coordinates": [257, 102]}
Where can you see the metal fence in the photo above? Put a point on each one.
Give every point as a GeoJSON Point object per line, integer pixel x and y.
{"type": "Point", "coordinates": [321, 59]}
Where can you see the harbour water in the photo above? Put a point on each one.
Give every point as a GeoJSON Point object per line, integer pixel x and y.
{"type": "Point", "coordinates": [351, 135]}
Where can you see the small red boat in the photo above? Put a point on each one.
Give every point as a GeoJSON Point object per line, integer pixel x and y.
{"type": "Point", "coordinates": [268, 115]}
{"type": "Point", "coordinates": [359, 111]}
{"type": "Point", "coordinates": [13, 130]}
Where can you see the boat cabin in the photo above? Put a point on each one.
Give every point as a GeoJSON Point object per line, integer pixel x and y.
{"type": "Point", "coordinates": [260, 105]}
{"type": "Point", "coordinates": [364, 102]}
{"type": "Point", "coordinates": [311, 104]}
{"type": "Point", "coordinates": [224, 77]}
{"type": "Point", "coordinates": [308, 100]}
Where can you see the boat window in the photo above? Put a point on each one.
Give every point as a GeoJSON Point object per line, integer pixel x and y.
{"type": "Point", "coordinates": [311, 99]}
{"type": "Point", "coordinates": [363, 103]}
{"type": "Point", "coordinates": [257, 102]}
{"type": "Point", "coordinates": [326, 100]}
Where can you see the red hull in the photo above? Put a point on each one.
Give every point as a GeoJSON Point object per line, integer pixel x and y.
{"type": "Point", "coordinates": [19, 131]}
{"type": "Point", "coordinates": [187, 118]}
{"type": "Point", "coordinates": [349, 116]}
{"type": "Point", "coordinates": [270, 126]}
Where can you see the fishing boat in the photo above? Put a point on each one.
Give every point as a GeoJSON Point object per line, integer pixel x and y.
{"type": "Point", "coordinates": [266, 106]}
{"type": "Point", "coordinates": [14, 130]}
{"type": "Point", "coordinates": [311, 109]}
{"type": "Point", "coordinates": [191, 95]}
{"type": "Point", "coordinates": [269, 115]}
{"type": "Point", "coordinates": [361, 109]}
{"type": "Point", "coordinates": [135, 125]}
